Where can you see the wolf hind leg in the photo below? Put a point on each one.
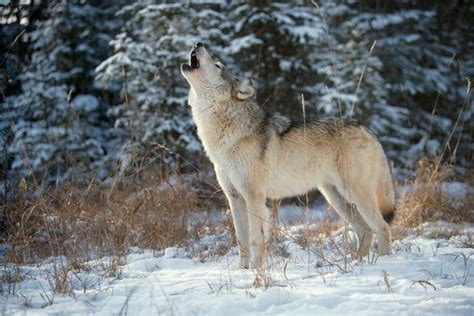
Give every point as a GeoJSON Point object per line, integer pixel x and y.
{"type": "Point", "coordinates": [365, 199]}
{"type": "Point", "coordinates": [352, 216]}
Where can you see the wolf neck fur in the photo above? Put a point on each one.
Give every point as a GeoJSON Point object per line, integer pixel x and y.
{"type": "Point", "coordinates": [223, 124]}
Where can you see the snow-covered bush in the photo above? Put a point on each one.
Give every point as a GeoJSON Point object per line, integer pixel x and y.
{"type": "Point", "coordinates": [90, 97]}
{"type": "Point", "coordinates": [145, 69]}
{"type": "Point", "coordinates": [58, 125]}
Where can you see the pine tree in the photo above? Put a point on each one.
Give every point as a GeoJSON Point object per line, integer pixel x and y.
{"type": "Point", "coordinates": [58, 132]}
{"type": "Point", "coordinates": [353, 85]}
{"type": "Point", "coordinates": [273, 42]}
{"type": "Point", "coordinates": [145, 68]}
{"type": "Point", "coordinates": [420, 66]}
{"type": "Point", "coordinates": [16, 19]}
{"type": "Point", "coordinates": [72, 118]}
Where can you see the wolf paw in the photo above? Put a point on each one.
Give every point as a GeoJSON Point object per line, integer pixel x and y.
{"type": "Point", "coordinates": [244, 263]}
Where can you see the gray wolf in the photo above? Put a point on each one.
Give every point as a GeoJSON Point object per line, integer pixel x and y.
{"type": "Point", "coordinates": [258, 156]}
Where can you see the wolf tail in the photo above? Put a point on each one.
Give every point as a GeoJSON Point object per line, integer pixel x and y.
{"type": "Point", "coordinates": [386, 196]}
{"type": "Point", "coordinates": [389, 215]}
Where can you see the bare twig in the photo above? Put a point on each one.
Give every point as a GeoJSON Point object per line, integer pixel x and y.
{"type": "Point", "coordinates": [362, 76]}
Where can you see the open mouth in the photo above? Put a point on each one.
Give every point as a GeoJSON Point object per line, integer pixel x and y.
{"type": "Point", "coordinates": [193, 63]}
{"type": "Point", "coordinates": [193, 60]}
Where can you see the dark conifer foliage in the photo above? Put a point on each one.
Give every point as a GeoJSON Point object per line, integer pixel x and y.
{"type": "Point", "coordinates": [88, 85]}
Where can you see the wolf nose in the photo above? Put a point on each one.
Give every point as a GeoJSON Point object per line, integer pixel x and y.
{"type": "Point", "coordinates": [199, 44]}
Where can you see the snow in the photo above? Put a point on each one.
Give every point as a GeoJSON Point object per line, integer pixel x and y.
{"type": "Point", "coordinates": [85, 102]}
{"type": "Point", "coordinates": [425, 276]}
{"type": "Point", "coordinates": [457, 190]}
{"type": "Point", "coordinates": [293, 214]}
{"type": "Point", "coordinates": [243, 42]}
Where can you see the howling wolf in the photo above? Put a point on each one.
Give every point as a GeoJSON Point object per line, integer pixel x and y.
{"type": "Point", "coordinates": [258, 156]}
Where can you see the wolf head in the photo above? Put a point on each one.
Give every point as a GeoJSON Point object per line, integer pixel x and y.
{"type": "Point", "coordinates": [211, 80]}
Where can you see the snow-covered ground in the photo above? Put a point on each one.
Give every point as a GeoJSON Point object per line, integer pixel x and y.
{"type": "Point", "coordinates": [422, 277]}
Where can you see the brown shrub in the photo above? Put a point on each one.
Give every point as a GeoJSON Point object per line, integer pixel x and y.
{"type": "Point", "coordinates": [426, 201]}
{"type": "Point", "coordinates": [85, 223]}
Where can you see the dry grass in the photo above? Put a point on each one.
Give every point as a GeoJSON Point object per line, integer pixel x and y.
{"type": "Point", "coordinates": [426, 201]}
{"type": "Point", "coordinates": [72, 226]}
{"type": "Point", "coordinates": [312, 234]}
{"type": "Point", "coordinates": [147, 211]}
{"type": "Point", "coordinates": [86, 223]}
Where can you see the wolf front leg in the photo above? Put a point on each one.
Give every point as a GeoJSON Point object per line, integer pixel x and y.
{"type": "Point", "coordinates": [256, 208]}
{"type": "Point", "coordinates": [240, 218]}
{"type": "Point", "coordinates": [241, 225]}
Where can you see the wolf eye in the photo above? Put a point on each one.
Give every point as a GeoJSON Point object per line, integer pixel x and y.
{"type": "Point", "coordinates": [218, 66]}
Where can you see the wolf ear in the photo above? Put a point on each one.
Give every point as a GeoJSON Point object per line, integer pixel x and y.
{"type": "Point", "coordinates": [241, 90]}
